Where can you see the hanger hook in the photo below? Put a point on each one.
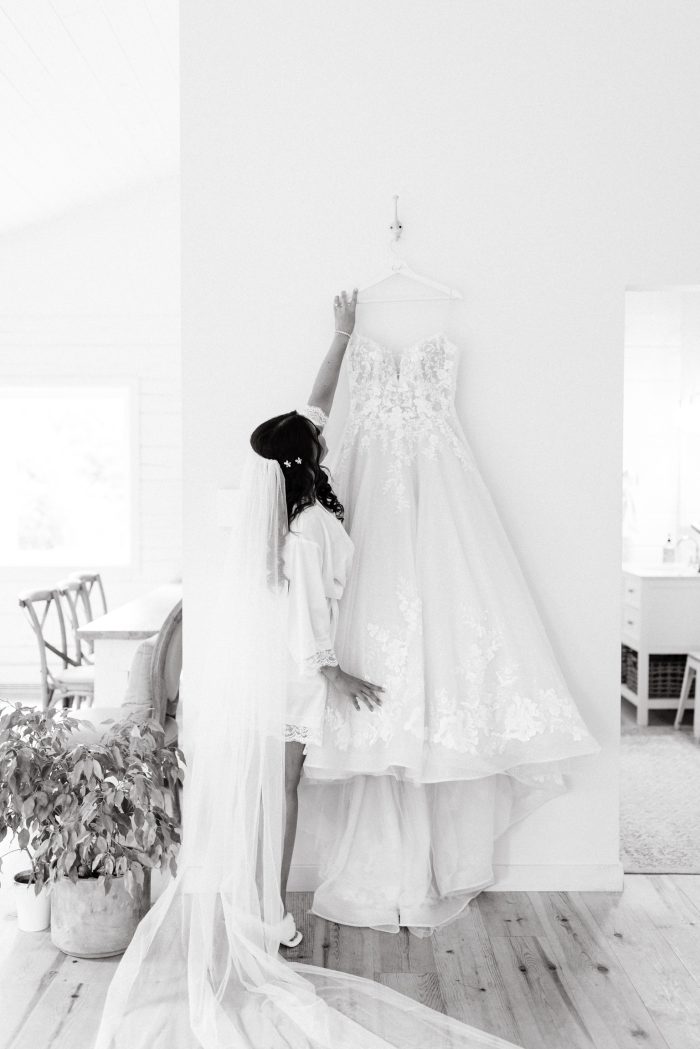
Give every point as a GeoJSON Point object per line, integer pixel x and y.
{"type": "Point", "coordinates": [396, 226]}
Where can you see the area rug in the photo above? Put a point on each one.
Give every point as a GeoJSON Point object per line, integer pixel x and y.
{"type": "Point", "coordinates": [659, 801]}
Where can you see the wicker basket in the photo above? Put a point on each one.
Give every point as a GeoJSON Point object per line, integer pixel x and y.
{"type": "Point", "coordinates": [665, 674]}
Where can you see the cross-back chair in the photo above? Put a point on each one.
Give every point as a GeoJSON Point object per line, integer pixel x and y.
{"type": "Point", "coordinates": [72, 594]}
{"type": "Point", "coordinates": [92, 589]}
{"type": "Point", "coordinates": [69, 683]}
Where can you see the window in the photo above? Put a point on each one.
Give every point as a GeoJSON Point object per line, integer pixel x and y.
{"type": "Point", "coordinates": [65, 475]}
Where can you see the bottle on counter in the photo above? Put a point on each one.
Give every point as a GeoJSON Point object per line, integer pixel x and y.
{"type": "Point", "coordinates": [669, 551]}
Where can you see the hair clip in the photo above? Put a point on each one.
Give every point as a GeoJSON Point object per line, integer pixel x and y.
{"type": "Point", "coordinates": [288, 464]}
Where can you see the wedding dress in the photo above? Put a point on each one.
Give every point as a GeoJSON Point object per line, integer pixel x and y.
{"type": "Point", "coordinates": [477, 726]}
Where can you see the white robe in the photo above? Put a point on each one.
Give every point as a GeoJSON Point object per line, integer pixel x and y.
{"type": "Point", "coordinates": [317, 560]}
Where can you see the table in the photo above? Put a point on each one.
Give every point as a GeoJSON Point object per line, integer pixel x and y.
{"type": "Point", "coordinates": [660, 616]}
{"type": "Point", "coordinates": [117, 634]}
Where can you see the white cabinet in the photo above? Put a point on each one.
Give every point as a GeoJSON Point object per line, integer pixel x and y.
{"type": "Point", "coordinates": [660, 616]}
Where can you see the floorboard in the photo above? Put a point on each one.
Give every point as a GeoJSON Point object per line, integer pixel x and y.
{"type": "Point", "coordinates": [545, 1012]}
{"type": "Point", "coordinates": [599, 986]}
{"type": "Point", "coordinates": [654, 937]}
{"type": "Point", "coordinates": [542, 970]}
{"type": "Point", "coordinates": [473, 987]}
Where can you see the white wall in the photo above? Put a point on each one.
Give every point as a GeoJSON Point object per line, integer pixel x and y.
{"type": "Point", "coordinates": [546, 155]}
{"type": "Point", "coordinates": [94, 296]}
{"type": "Point", "coordinates": [661, 448]}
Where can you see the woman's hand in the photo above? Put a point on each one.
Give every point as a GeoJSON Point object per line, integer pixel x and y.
{"type": "Point", "coordinates": [356, 689]}
{"type": "Point", "coordinates": [345, 311]}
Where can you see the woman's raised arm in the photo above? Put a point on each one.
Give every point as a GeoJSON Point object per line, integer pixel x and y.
{"type": "Point", "coordinates": [324, 387]}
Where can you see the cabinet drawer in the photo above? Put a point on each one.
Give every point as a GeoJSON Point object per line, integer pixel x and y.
{"type": "Point", "coordinates": [630, 621]}
{"type": "Point", "coordinates": [631, 590]}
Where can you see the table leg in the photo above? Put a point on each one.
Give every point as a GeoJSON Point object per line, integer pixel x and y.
{"type": "Point", "coordinates": [112, 663]}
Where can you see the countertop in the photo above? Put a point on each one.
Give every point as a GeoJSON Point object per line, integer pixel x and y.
{"type": "Point", "coordinates": [661, 571]}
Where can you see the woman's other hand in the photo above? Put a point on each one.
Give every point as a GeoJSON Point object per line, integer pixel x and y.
{"type": "Point", "coordinates": [344, 309]}
{"type": "Point", "coordinates": [355, 689]}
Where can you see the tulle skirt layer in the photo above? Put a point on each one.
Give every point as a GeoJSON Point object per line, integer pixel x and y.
{"type": "Point", "coordinates": [477, 727]}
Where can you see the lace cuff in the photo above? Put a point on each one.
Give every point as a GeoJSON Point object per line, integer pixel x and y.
{"type": "Point", "coordinates": [317, 416]}
{"type": "Point", "coordinates": [302, 734]}
{"type": "Point", "coordinates": [325, 658]}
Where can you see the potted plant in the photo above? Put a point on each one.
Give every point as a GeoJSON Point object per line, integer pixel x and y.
{"type": "Point", "coordinates": [94, 819]}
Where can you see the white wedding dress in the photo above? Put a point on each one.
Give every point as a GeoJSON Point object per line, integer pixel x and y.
{"type": "Point", "coordinates": [477, 725]}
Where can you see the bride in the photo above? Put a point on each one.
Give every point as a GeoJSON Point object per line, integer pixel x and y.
{"type": "Point", "coordinates": [203, 969]}
{"type": "Point", "coordinates": [318, 556]}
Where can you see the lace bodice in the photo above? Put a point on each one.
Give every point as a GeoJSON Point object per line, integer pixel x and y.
{"type": "Point", "coordinates": [403, 404]}
{"type": "Point", "coordinates": [416, 383]}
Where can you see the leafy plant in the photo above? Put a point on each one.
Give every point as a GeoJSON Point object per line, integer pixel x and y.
{"type": "Point", "coordinates": [88, 810]}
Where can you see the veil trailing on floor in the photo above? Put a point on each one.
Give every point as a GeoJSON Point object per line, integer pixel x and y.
{"type": "Point", "coordinates": [203, 969]}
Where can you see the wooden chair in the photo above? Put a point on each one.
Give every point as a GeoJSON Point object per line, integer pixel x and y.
{"type": "Point", "coordinates": [166, 668]}
{"type": "Point", "coordinates": [72, 682]}
{"type": "Point", "coordinates": [692, 665]}
{"type": "Point", "coordinates": [72, 594]}
{"type": "Point", "coordinates": [91, 588]}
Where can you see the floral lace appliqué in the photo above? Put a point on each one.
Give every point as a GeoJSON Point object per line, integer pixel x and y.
{"type": "Point", "coordinates": [408, 410]}
{"type": "Point", "coordinates": [497, 701]}
{"type": "Point", "coordinates": [395, 659]}
{"type": "Point", "coordinates": [488, 700]}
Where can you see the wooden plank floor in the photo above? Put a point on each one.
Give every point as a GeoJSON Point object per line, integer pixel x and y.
{"type": "Point", "coordinates": [544, 970]}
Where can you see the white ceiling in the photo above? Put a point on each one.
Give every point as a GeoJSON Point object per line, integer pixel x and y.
{"type": "Point", "coordinates": [89, 101]}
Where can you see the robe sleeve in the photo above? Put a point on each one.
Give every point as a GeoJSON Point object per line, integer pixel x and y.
{"type": "Point", "coordinates": [309, 618]}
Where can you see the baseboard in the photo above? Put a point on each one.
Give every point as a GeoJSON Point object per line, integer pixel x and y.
{"type": "Point", "coordinates": [555, 877]}
{"type": "Point", "coordinates": [596, 877]}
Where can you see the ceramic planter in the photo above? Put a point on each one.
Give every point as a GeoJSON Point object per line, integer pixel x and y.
{"type": "Point", "coordinates": [33, 912]}
{"type": "Point", "coordinates": [87, 923]}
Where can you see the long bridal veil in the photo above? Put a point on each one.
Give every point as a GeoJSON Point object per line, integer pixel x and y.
{"type": "Point", "coordinates": [203, 969]}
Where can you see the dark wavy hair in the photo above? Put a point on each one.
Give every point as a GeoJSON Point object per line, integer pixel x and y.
{"type": "Point", "coordinates": [287, 438]}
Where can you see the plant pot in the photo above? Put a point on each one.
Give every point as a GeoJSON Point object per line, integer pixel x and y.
{"type": "Point", "coordinates": [87, 923]}
{"type": "Point", "coordinates": [33, 911]}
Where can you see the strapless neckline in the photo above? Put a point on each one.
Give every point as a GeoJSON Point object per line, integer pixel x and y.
{"type": "Point", "coordinates": [396, 356]}
{"type": "Point", "coordinates": [399, 351]}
